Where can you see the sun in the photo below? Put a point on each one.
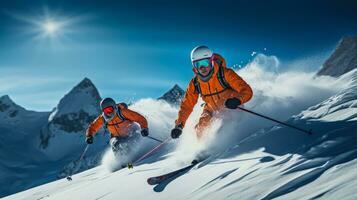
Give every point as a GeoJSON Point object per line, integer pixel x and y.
{"type": "Point", "coordinates": [51, 27]}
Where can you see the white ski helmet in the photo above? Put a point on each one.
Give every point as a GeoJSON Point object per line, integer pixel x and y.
{"type": "Point", "coordinates": [200, 52]}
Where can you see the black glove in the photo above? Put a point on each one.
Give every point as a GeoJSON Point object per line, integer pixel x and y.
{"type": "Point", "coordinates": [232, 103]}
{"type": "Point", "coordinates": [89, 139]}
{"type": "Point", "coordinates": [176, 132]}
{"type": "Point", "coordinates": [144, 132]}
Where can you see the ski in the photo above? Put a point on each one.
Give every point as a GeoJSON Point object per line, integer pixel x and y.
{"type": "Point", "coordinates": [159, 179]}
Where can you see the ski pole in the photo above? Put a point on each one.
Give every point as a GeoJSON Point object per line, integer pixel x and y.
{"type": "Point", "coordinates": [154, 139]}
{"type": "Point", "coordinates": [131, 165]}
{"type": "Point", "coordinates": [274, 120]}
{"type": "Point", "coordinates": [69, 177]}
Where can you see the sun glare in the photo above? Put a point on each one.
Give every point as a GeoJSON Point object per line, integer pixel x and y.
{"type": "Point", "coordinates": [51, 27]}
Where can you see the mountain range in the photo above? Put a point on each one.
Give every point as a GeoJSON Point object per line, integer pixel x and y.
{"type": "Point", "coordinates": [33, 140]}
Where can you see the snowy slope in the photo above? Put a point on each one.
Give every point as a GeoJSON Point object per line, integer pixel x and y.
{"type": "Point", "coordinates": [342, 106]}
{"type": "Point", "coordinates": [271, 163]}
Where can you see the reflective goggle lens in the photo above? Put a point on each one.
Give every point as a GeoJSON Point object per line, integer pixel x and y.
{"type": "Point", "coordinates": [202, 63]}
{"type": "Point", "coordinates": [108, 110]}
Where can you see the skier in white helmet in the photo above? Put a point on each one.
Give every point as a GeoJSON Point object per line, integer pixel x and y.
{"type": "Point", "coordinates": [218, 86]}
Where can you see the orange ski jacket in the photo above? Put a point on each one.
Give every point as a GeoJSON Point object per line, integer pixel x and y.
{"type": "Point", "coordinates": [120, 125]}
{"type": "Point", "coordinates": [213, 92]}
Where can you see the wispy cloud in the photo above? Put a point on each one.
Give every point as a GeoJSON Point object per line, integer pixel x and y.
{"type": "Point", "coordinates": [24, 83]}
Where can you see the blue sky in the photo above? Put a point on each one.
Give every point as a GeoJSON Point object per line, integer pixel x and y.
{"type": "Point", "coordinates": [137, 49]}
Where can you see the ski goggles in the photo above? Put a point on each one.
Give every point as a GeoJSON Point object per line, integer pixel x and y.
{"type": "Point", "coordinates": [206, 62]}
{"type": "Point", "coordinates": [108, 110]}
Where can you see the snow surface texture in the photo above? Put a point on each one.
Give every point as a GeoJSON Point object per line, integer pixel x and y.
{"type": "Point", "coordinates": [250, 159]}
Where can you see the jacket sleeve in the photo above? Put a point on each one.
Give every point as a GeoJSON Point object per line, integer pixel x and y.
{"type": "Point", "coordinates": [238, 84]}
{"type": "Point", "coordinates": [94, 127]}
{"type": "Point", "coordinates": [188, 102]}
{"type": "Point", "coordinates": [136, 117]}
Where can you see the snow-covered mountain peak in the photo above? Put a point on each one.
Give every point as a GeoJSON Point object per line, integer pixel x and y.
{"type": "Point", "coordinates": [6, 98]}
{"type": "Point", "coordinates": [343, 59]}
{"type": "Point", "coordinates": [84, 96]}
{"type": "Point", "coordinates": [6, 102]}
{"type": "Point", "coordinates": [85, 84]}
{"type": "Point", "coordinates": [77, 108]}
{"type": "Point", "coordinates": [174, 95]}
{"type": "Point", "coordinates": [72, 115]}
{"type": "Point", "coordinates": [9, 109]}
